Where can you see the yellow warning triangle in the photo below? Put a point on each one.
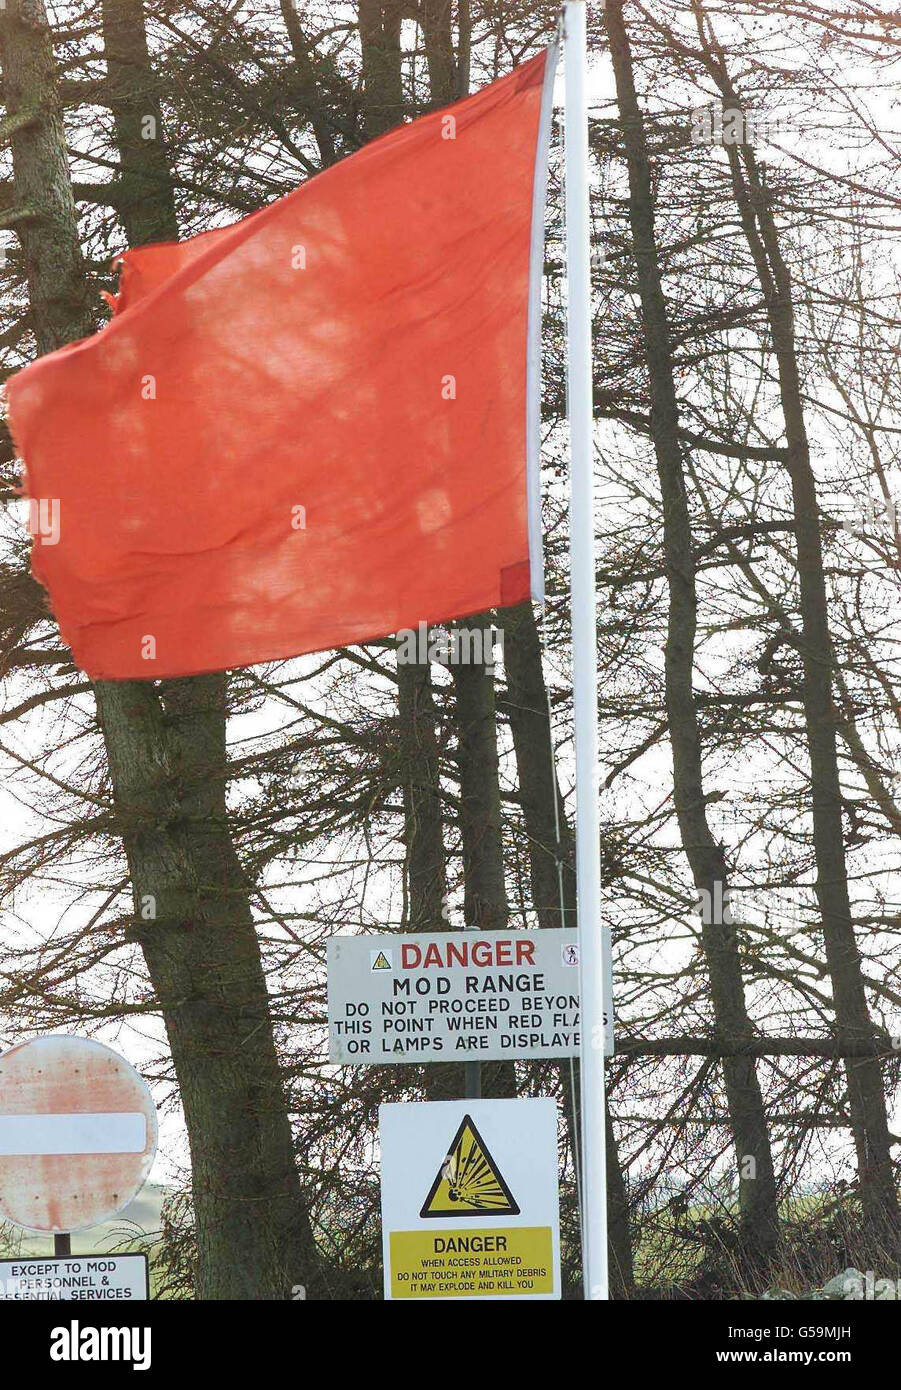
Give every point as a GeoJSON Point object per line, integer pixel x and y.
{"type": "Point", "coordinates": [381, 962]}
{"type": "Point", "coordinates": [469, 1180]}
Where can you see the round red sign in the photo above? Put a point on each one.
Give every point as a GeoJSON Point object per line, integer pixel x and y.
{"type": "Point", "coordinates": [78, 1134]}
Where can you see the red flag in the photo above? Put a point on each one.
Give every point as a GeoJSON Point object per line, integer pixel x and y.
{"type": "Point", "coordinates": [310, 428]}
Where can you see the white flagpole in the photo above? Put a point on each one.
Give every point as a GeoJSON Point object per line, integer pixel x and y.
{"type": "Point", "coordinates": [584, 638]}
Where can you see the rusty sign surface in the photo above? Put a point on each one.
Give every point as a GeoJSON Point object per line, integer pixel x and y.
{"type": "Point", "coordinates": [78, 1134]}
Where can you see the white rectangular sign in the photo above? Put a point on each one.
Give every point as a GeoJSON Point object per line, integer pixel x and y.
{"type": "Point", "coordinates": [454, 996]}
{"type": "Point", "coordinates": [119, 1132]}
{"type": "Point", "coordinates": [470, 1200]}
{"type": "Point", "coordinates": [79, 1278]}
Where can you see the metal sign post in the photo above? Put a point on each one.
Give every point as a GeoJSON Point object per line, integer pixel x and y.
{"type": "Point", "coordinates": [472, 1070]}
{"type": "Point", "coordinates": [584, 641]}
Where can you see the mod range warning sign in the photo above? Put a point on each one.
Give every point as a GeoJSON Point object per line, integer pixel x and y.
{"type": "Point", "coordinates": [445, 996]}
{"type": "Point", "coordinates": [469, 1199]}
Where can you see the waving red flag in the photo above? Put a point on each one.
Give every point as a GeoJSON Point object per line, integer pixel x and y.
{"type": "Point", "coordinates": [310, 428]}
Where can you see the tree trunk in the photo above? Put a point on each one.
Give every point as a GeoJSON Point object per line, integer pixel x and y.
{"type": "Point", "coordinates": [437, 34]}
{"type": "Point", "coordinates": [757, 1186]}
{"type": "Point", "coordinates": [485, 894]}
{"type": "Point", "coordinates": [195, 924]}
{"type": "Point", "coordinates": [246, 1189]}
{"type": "Point", "coordinates": [146, 203]}
{"type": "Point", "coordinates": [551, 870]}
{"type": "Point", "coordinates": [423, 824]}
{"type": "Point", "coordinates": [61, 309]}
{"type": "Point", "coordinates": [383, 93]}
{"type": "Point", "coordinates": [307, 88]}
{"type": "Point", "coordinates": [866, 1091]}
{"type": "Point", "coordinates": [484, 889]}
{"type": "Point", "coordinates": [424, 868]}
{"type": "Point", "coordinates": [426, 883]}
{"type": "Point", "coordinates": [166, 760]}
{"type": "Point", "coordinates": [464, 46]}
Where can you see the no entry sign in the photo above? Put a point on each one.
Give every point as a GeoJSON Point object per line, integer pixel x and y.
{"type": "Point", "coordinates": [470, 1199]}
{"type": "Point", "coordinates": [77, 1134]}
{"type": "Point", "coordinates": [453, 996]}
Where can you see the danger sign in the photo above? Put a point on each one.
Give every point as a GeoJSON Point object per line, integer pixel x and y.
{"type": "Point", "coordinates": [77, 1134]}
{"type": "Point", "coordinates": [470, 1199]}
{"type": "Point", "coordinates": [451, 996]}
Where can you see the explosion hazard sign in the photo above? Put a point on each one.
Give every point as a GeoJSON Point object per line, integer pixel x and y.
{"type": "Point", "coordinates": [469, 1180]}
{"type": "Point", "coordinates": [470, 1199]}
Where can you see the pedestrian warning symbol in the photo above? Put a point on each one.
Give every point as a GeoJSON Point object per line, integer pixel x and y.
{"type": "Point", "coordinates": [469, 1180]}
{"type": "Point", "coordinates": [380, 961]}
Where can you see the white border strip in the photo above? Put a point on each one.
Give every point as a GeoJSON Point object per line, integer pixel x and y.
{"type": "Point", "coordinates": [533, 338]}
{"type": "Point", "coordinates": [119, 1132]}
